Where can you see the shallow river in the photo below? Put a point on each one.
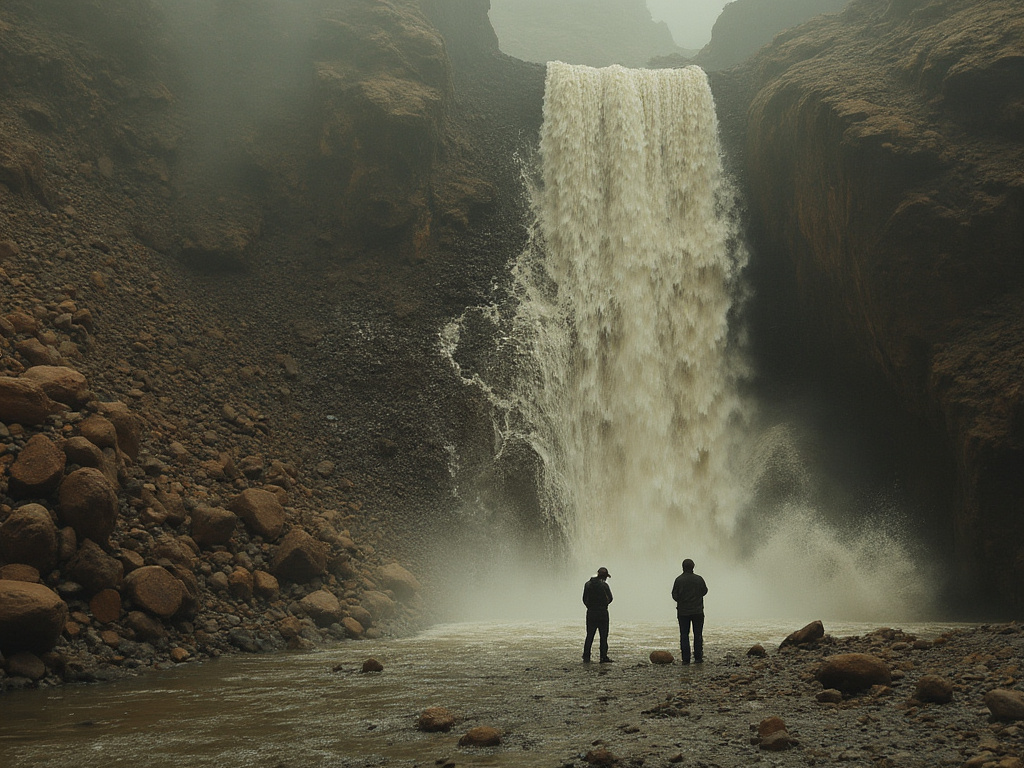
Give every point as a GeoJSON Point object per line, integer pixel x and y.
{"type": "Point", "coordinates": [295, 710]}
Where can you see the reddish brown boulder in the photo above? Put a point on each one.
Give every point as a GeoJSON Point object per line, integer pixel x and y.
{"type": "Point", "coordinates": [481, 736]}
{"type": "Point", "coordinates": [20, 572]}
{"type": "Point", "coordinates": [37, 471]}
{"type": "Point", "coordinates": [129, 432]}
{"type": "Point", "coordinates": [94, 569]}
{"type": "Point", "coordinates": [154, 589]}
{"type": "Point", "coordinates": [265, 585]}
{"type": "Point", "coordinates": [261, 512]}
{"type": "Point", "coordinates": [37, 353]}
{"type": "Point", "coordinates": [299, 557]}
{"type": "Point", "coordinates": [26, 665]}
{"type": "Point", "coordinates": [1005, 704]}
{"type": "Point", "coordinates": [378, 605]}
{"type": "Point", "coordinates": [32, 617]}
{"type": "Point", "coordinates": [322, 607]}
{"type": "Point", "coordinates": [400, 581]}
{"type": "Point", "coordinates": [353, 628]}
{"type": "Point", "coordinates": [29, 536]}
{"type": "Point", "coordinates": [212, 526]}
{"type": "Point", "coordinates": [372, 665]}
{"type": "Point", "coordinates": [23, 401]}
{"type": "Point", "coordinates": [240, 584]}
{"type": "Point", "coordinates": [853, 672]}
{"type": "Point", "coordinates": [106, 606]}
{"type": "Point", "coordinates": [99, 431]}
{"type": "Point", "coordinates": [933, 689]}
{"type": "Point", "coordinates": [84, 453]}
{"type": "Point", "coordinates": [436, 720]}
{"type": "Point", "coordinates": [60, 383]}
{"type": "Point", "coordinates": [813, 631]}
{"type": "Point", "coordinates": [88, 504]}
{"type": "Point", "coordinates": [145, 626]}
{"type": "Point", "coordinates": [661, 657]}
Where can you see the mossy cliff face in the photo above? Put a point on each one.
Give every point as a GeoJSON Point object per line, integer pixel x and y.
{"type": "Point", "coordinates": [885, 162]}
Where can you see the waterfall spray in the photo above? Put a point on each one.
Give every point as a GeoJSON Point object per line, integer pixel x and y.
{"type": "Point", "coordinates": [624, 366]}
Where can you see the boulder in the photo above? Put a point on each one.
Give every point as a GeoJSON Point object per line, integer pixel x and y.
{"type": "Point", "coordinates": [32, 617]}
{"type": "Point", "coordinates": [26, 665]}
{"type": "Point", "coordinates": [261, 512]}
{"type": "Point", "coordinates": [435, 720]}
{"type": "Point", "coordinates": [240, 584]}
{"type": "Point", "coordinates": [99, 431]}
{"type": "Point", "coordinates": [853, 672]}
{"type": "Point", "coordinates": [37, 471]}
{"type": "Point", "coordinates": [322, 607]}
{"type": "Point", "coordinates": [299, 557]}
{"type": "Point", "coordinates": [23, 401]}
{"type": "Point", "coordinates": [60, 383]}
{"type": "Point", "coordinates": [129, 433]}
{"type": "Point", "coordinates": [378, 605]}
{"type": "Point", "coordinates": [661, 657]}
{"type": "Point", "coordinates": [361, 615]}
{"type": "Point", "coordinates": [29, 536]}
{"type": "Point", "coordinates": [353, 628]}
{"type": "Point", "coordinates": [265, 585]}
{"type": "Point", "coordinates": [20, 572]}
{"type": "Point", "coordinates": [829, 696]}
{"type": "Point", "coordinates": [933, 689]}
{"type": "Point", "coordinates": [372, 665]}
{"type": "Point", "coordinates": [481, 736]}
{"type": "Point", "coordinates": [212, 526]}
{"type": "Point", "coordinates": [400, 581]}
{"type": "Point", "coordinates": [174, 549]}
{"type": "Point", "coordinates": [105, 606]}
{"type": "Point", "coordinates": [37, 353]}
{"type": "Point", "coordinates": [84, 453]}
{"type": "Point", "coordinates": [88, 503]}
{"type": "Point", "coordinates": [813, 631]}
{"type": "Point", "coordinates": [145, 626]}
{"type": "Point", "coordinates": [757, 651]}
{"type": "Point", "coordinates": [1005, 704]}
{"type": "Point", "coordinates": [154, 589]}
{"type": "Point", "coordinates": [94, 569]}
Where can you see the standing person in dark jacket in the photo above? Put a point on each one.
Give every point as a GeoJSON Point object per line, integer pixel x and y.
{"type": "Point", "coordinates": [688, 591]}
{"type": "Point", "coordinates": [596, 596]}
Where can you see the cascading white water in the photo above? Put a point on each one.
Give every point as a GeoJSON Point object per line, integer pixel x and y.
{"type": "Point", "coordinates": [634, 379]}
{"type": "Point", "coordinates": [621, 368]}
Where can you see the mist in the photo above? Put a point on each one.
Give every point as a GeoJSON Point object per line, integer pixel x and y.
{"type": "Point", "coordinates": [690, 21]}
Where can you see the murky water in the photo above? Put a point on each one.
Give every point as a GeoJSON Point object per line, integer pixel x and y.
{"type": "Point", "coordinates": [295, 710]}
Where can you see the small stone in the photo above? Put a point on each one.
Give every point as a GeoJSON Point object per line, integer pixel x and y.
{"type": "Point", "coordinates": [757, 650]}
{"type": "Point", "coordinates": [661, 657]}
{"type": "Point", "coordinates": [933, 689]}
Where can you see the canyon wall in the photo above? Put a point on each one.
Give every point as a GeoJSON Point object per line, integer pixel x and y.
{"type": "Point", "coordinates": [883, 156]}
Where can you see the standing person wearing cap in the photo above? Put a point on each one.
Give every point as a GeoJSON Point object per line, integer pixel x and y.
{"type": "Point", "coordinates": [596, 596]}
{"type": "Point", "coordinates": [688, 591]}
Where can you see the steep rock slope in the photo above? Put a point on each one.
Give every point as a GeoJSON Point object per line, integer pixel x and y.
{"type": "Point", "coordinates": [746, 25]}
{"type": "Point", "coordinates": [883, 155]}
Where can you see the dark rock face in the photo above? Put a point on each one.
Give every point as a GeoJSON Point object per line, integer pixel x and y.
{"type": "Point", "coordinates": [592, 32]}
{"type": "Point", "coordinates": [744, 26]}
{"type": "Point", "coordinates": [883, 157]}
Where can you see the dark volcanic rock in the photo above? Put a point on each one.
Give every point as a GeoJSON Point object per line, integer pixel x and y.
{"type": "Point", "coordinates": [883, 155]}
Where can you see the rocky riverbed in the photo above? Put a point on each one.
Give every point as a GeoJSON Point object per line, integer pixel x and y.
{"type": "Point", "coordinates": [516, 694]}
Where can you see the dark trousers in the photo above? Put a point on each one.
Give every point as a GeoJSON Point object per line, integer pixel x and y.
{"type": "Point", "coordinates": [697, 621]}
{"type": "Point", "coordinates": [597, 621]}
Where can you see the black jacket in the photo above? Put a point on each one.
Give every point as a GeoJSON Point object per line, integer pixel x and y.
{"type": "Point", "coordinates": [597, 594]}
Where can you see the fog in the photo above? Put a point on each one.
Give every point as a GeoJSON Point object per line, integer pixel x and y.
{"type": "Point", "coordinates": [690, 20]}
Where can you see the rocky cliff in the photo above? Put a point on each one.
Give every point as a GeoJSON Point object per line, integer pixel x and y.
{"type": "Point", "coordinates": [744, 26]}
{"type": "Point", "coordinates": [883, 157]}
{"type": "Point", "coordinates": [229, 234]}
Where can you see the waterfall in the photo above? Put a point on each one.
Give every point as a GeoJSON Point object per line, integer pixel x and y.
{"type": "Point", "coordinates": [619, 363]}
{"type": "Point", "coordinates": [634, 371]}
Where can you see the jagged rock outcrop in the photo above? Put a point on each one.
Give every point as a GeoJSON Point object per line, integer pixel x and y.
{"type": "Point", "coordinates": [592, 32]}
{"type": "Point", "coordinates": [883, 156]}
{"type": "Point", "coordinates": [744, 26]}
